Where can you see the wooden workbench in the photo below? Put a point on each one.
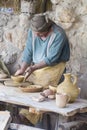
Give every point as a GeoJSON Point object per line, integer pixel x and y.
{"type": "Point", "coordinates": [16, 96]}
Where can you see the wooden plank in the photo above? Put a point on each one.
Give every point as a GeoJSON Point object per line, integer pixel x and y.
{"type": "Point", "coordinates": [74, 125]}
{"type": "Point", "coordinates": [5, 120]}
{"type": "Point", "coordinates": [16, 96]}
{"type": "Point", "coordinates": [5, 79]}
{"type": "Point", "coordinates": [22, 127]}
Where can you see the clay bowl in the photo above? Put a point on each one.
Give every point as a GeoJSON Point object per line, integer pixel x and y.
{"type": "Point", "coordinates": [18, 78]}
{"type": "Point", "coordinates": [31, 88]}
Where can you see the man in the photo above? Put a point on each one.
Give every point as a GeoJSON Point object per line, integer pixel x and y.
{"type": "Point", "coordinates": [47, 46]}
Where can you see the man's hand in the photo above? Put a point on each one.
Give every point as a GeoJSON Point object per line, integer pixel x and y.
{"type": "Point", "coordinates": [22, 69]}
{"type": "Point", "coordinates": [28, 72]}
{"type": "Point", "coordinates": [19, 72]}
{"type": "Point", "coordinates": [32, 68]}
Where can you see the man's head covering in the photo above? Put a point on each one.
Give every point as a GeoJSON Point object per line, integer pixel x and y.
{"type": "Point", "coordinates": [40, 23]}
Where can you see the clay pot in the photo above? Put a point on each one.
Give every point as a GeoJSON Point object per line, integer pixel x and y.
{"type": "Point", "coordinates": [69, 86]}
{"type": "Point", "coordinates": [18, 78]}
{"type": "Point", "coordinates": [47, 92]}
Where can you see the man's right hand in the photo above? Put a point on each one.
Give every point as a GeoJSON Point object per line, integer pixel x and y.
{"type": "Point", "coordinates": [19, 72]}
{"type": "Point", "coordinates": [22, 69]}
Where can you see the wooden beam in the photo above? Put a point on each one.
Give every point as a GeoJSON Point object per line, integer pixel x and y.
{"type": "Point", "coordinates": [74, 125]}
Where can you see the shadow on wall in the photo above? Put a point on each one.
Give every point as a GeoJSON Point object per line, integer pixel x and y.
{"type": "Point", "coordinates": [15, 65]}
{"type": "Point", "coordinates": [82, 83]}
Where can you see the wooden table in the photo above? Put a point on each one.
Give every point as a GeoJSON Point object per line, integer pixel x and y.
{"type": "Point", "coordinates": [14, 95]}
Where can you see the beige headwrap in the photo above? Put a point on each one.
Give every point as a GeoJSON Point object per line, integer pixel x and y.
{"type": "Point", "coordinates": [40, 23]}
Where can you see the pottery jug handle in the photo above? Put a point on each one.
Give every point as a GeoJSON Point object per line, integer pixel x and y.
{"type": "Point", "coordinates": [68, 98]}
{"type": "Point", "coordinates": [75, 79]}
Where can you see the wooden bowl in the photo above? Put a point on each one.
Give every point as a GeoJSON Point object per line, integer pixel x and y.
{"type": "Point", "coordinates": [18, 78]}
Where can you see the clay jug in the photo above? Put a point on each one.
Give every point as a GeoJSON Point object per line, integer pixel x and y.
{"type": "Point", "coordinates": [69, 86]}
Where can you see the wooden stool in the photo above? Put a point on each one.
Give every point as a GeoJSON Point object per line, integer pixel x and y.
{"type": "Point", "coordinates": [5, 120]}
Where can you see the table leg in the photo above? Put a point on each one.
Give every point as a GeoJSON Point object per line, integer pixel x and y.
{"type": "Point", "coordinates": [57, 122]}
{"type": "Point", "coordinates": [50, 121]}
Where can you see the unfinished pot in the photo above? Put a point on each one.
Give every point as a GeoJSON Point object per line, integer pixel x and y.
{"type": "Point", "coordinates": [18, 78]}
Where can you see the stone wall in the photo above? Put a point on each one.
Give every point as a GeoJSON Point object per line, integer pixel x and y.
{"type": "Point", "coordinates": [71, 15]}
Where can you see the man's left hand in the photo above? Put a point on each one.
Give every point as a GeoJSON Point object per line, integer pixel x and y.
{"type": "Point", "coordinates": [28, 72]}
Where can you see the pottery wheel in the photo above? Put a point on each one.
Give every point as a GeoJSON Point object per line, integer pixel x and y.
{"type": "Point", "coordinates": [15, 84]}
{"type": "Point", "coordinates": [4, 79]}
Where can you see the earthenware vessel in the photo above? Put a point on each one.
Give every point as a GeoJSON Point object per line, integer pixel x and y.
{"type": "Point", "coordinates": [69, 86]}
{"type": "Point", "coordinates": [47, 92]}
{"type": "Point", "coordinates": [62, 99]}
{"type": "Point", "coordinates": [18, 78]}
